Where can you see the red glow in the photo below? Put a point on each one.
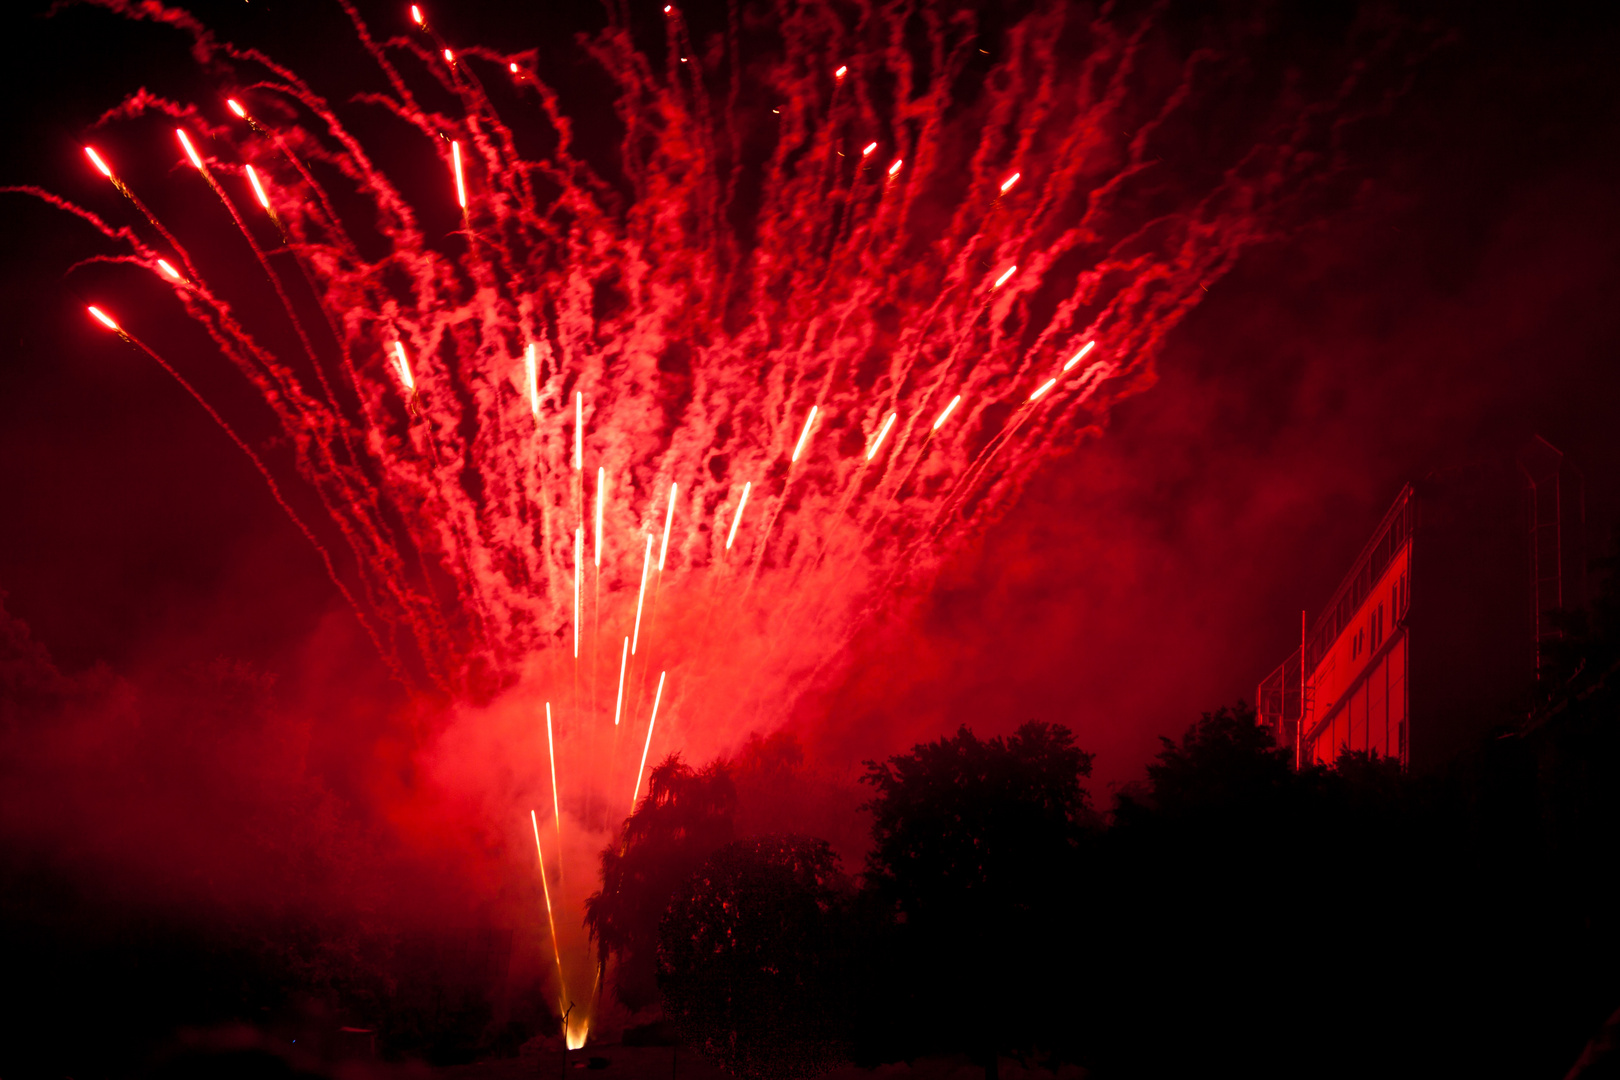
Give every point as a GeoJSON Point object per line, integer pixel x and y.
{"type": "Point", "coordinates": [1006, 185]}
{"type": "Point", "coordinates": [841, 72]}
{"type": "Point", "coordinates": [449, 57]}
{"type": "Point", "coordinates": [513, 68]}
{"type": "Point", "coordinates": [103, 318]}
{"type": "Point", "coordinates": [168, 269]}
{"type": "Point", "coordinates": [95, 159]}
{"type": "Point", "coordinates": [869, 148]}
{"type": "Point", "coordinates": [236, 108]}
{"type": "Point", "coordinates": [416, 16]}
{"type": "Point", "coordinates": [895, 167]}
{"type": "Point", "coordinates": [579, 561]}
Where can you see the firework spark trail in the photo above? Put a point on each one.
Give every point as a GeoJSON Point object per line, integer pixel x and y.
{"type": "Point", "coordinates": [923, 280]}
{"type": "Point", "coordinates": [551, 919]}
{"type": "Point", "coordinates": [651, 720]}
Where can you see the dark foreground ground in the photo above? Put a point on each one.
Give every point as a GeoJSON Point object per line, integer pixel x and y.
{"type": "Point", "coordinates": [668, 1063]}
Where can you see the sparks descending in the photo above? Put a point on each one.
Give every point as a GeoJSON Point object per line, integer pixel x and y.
{"type": "Point", "coordinates": [800, 335]}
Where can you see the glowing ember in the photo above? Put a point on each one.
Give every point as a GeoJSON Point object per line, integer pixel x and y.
{"type": "Point", "coordinates": [103, 318]}
{"type": "Point", "coordinates": [877, 442]}
{"type": "Point", "coordinates": [1077, 357]}
{"type": "Point", "coordinates": [95, 159]}
{"type": "Point", "coordinates": [841, 72]}
{"type": "Point", "coordinates": [646, 564]}
{"type": "Point", "coordinates": [168, 269]}
{"type": "Point", "coordinates": [601, 498]}
{"type": "Point", "coordinates": [669, 516]}
{"type": "Point", "coordinates": [258, 189]}
{"type": "Point", "coordinates": [403, 367]}
{"type": "Point", "coordinates": [732, 536]}
{"type": "Point", "coordinates": [236, 108]}
{"type": "Point", "coordinates": [657, 697]}
{"type": "Point", "coordinates": [455, 156]}
{"type": "Point", "coordinates": [1006, 185]}
{"type": "Point", "coordinates": [804, 435]}
{"type": "Point", "coordinates": [624, 662]}
{"type": "Point", "coordinates": [1005, 274]}
{"type": "Point", "coordinates": [869, 148]}
{"type": "Point", "coordinates": [190, 152]}
{"type": "Point", "coordinates": [1047, 385]}
{"type": "Point", "coordinates": [530, 381]}
{"type": "Point", "coordinates": [895, 167]}
{"type": "Point", "coordinates": [416, 16]}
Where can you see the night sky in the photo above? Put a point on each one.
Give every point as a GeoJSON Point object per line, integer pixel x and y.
{"type": "Point", "coordinates": [1459, 300]}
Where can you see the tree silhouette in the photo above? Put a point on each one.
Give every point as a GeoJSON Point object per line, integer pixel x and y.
{"type": "Point", "coordinates": [977, 855]}
{"type": "Point", "coordinates": [685, 816]}
{"type": "Point", "coordinates": [751, 958]}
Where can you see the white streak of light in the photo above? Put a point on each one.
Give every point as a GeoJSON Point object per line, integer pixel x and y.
{"type": "Point", "coordinates": [579, 430]}
{"type": "Point", "coordinates": [1006, 185]}
{"type": "Point", "coordinates": [669, 516]}
{"type": "Point", "coordinates": [877, 442]}
{"type": "Point", "coordinates": [624, 662]}
{"type": "Point", "coordinates": [646, 564]}
{"type": "Point", "coordinates": [1047, 385]}
{"type": "Point", "coordinates": [562, 990]}
{"type": "Point", "coordinates": [869, 148]}
{"type": "Point", "coordinates": [896, 166]}
{"type": "Point", "coordinates": [648, 746]}
{"type": "Point", "coordinates": [948, 409]}
{"type": "Point", "coordinates": [403, 367]}
{"type": "Point", "coordinates": [258, 188]}
{"type": "Point", "coordinates": [738, 519]}
{"type": "Point", "coordinates": [551, 749]}
{"type": "Point", "coordinates": [805, 434]}
{"type": "Point", "coordinates": [190, 153]}
{"type": "Point", "coordinates": [461, 188]}
{"type": "Point", "coordinates": [95, 159]}
{"type": "Point", "coordinates": [534, 384]}
{"type": "Point", "coordinates": [579, 557]}
{"type": "Point", "coordinates": [601, 496]}
{"type": "Point", "coordinates": [1077, 357]}
{"type": "Point", "coordinates": [1002, 280]}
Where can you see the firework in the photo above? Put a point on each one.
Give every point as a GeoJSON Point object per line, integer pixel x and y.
{"type": "Point", "coordinates": [737, 520]}
{"type": "Point", "coordinates": [669, 517]}
{"type": "Point", "coordinates": [646, 563]}
{"type": "Point", "coordinates": [624, 662]}
{"type": "Point", "coordinates": [551, 755]}
{"type": "Point", "coordinates": [703, 323]}
{"type": "Point", "coordinates": [657, 697]}
{"type": "Point", "coordinates": [882, 431]}
{"type": "Point", "coordinates": [551, 919]}
{"type": "Point", "coordinates": [804, 436]}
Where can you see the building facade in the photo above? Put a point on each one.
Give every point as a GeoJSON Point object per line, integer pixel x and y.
{"type": "Point", "coordinates": [1433, 637]}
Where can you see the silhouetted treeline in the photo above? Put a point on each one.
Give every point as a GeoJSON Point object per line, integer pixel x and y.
{"type": "Point", "coordinates": [1229, 914]}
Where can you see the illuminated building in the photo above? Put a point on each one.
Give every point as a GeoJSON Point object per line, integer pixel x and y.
{"type": "Point", "coordinates": [1434, 636]}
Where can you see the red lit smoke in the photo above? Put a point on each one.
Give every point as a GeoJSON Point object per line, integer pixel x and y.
{"type": "Point", "coordinates": [740, 260]}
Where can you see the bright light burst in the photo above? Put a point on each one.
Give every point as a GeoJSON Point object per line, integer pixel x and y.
{"type": "Point", "coordinates": [702, 297]}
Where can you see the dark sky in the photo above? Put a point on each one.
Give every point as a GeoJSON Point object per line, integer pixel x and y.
{"type": "Point", "coordinates": [1461, 301]}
